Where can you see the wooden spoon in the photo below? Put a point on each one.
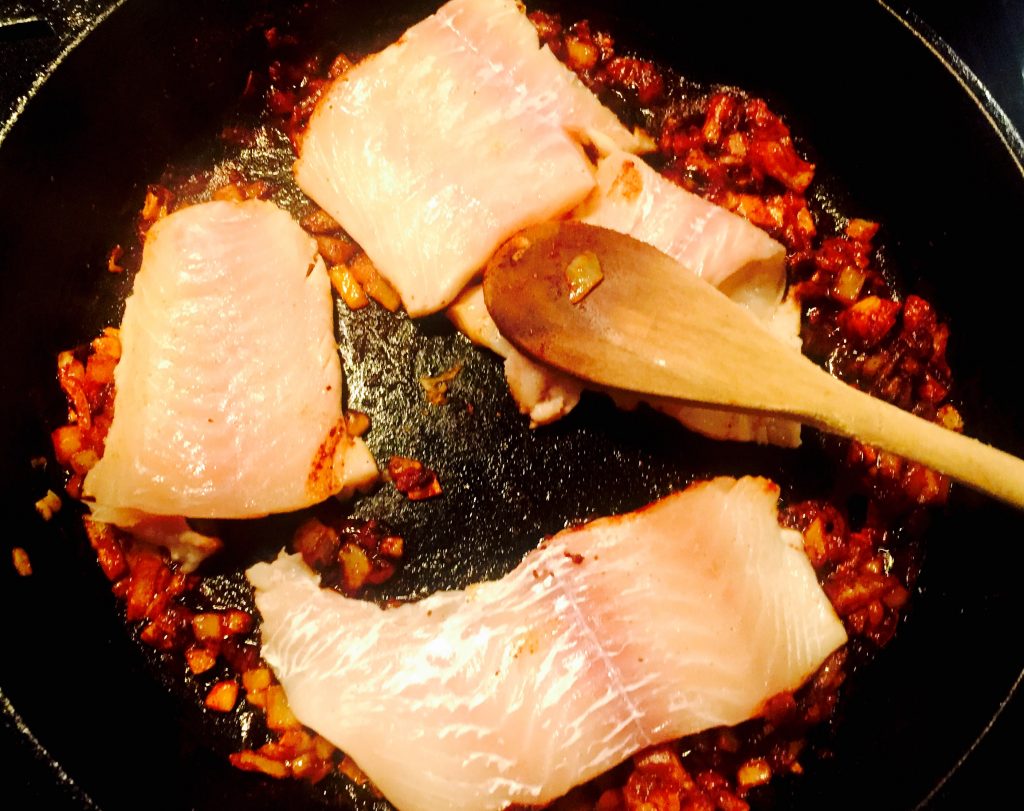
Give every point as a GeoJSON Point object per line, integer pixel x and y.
{"type": "Point", "coordinates": [651, 326]}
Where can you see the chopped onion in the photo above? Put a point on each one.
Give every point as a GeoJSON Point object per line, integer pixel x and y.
{"type": "Point", "coordinates": [22, 564]}
{"type": "Point", "coordinates": [222, 696]}
{"type": "Point", "coordinates": [583, 274]}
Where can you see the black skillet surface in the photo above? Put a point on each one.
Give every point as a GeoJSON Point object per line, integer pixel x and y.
{"type": "Point", "coordinates": [150, 85]}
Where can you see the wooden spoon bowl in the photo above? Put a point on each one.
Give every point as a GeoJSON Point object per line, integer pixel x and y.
{"type": "Point", "coordinates": [652, 327]}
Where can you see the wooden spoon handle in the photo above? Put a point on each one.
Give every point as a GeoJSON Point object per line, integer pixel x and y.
{"type": "Point", "coordinates": [848, 412]}
{"type": "Point", "coordinates": [810, 395]}
{"type": "Point", "coordinates": [843, 410]}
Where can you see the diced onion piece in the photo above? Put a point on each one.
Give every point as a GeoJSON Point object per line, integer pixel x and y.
{"type": "Point", "coordinates": [316, 542]}
{"type": "Point", "coordinates": [84, 460]}
{"type": "Point", "coordinates": [335, 250]}
{"type": "Point", "coordinates": [207, 626]}
{"type": "Point", "coordinates": [862, 229]}
{"type": "Point", "coordinates": [392, 546]}
{"type": "Point", "coordinates": [848, 284]}
{"type": "Point", "coordinates": [375, 285]}
{"type": "Point", "coordinates": [22, 564]}
{"type": "Point", "coordinates": [229, 192]}
{"type": "Point", "coordinates": [948, 417]}
{"type": "Point", "coordinates": [222, 696]}
{"type": "Point", "coordinates": [109, 551]}
{"type": "Point", "coordinates": [114, 259]}
{"type": "Point", "coordinates": [356, 566]}
{"type": "Point", "coordinates": [258, 678]}
{"type": "Point", "coordinates": [582, 55]}
{"type": "Point", "coordinates": [869, 320]}
{"type": "Point", "coordinates": [155, 204]}
{"type": "Point", "coordinates": [108, 343]}
{"type": "Point", "coordinates": [148, 581]}
{"type": "Point", "coordinates": [49, 505]}
{"type": "Point", "coordinates": [67, 442]}
{"type": "Point", "coordinates": [236, 622]}
{"type": "Point", "coordinates": [814, 542]}
{"type": "Point", "coordinates": [99, 369]}
{"type": "Point", "coordinates": [254, 762]}
{"type": "Point", "coordinates": [200, 659]}
{"type": "Point", "coordinates": [583, 274]}
{"type": "Point", "coordinates": [309, 767]}
{"type": "Point", "coordinates": [319, 222]}
{"type": "Point", "coordinates": [755, 772]}
{"type": "Point", "coordinates": [413, 479]}
{"type": "Point", "coordinates": [346, 286]}
{"type": "Point", "coordinates": [356, 423]}
{"type": "Point", "coordinates": [279, 714]}
{"type": "Point", "coordinates": [436, 388]}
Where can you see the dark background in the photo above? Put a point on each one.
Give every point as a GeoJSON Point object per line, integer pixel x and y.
{"type": "Point", "coordinates": [988, 35]}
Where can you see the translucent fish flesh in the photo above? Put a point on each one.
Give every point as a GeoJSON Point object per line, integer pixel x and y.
{"type": "Point", "coordinates": [685, 615]}
{"type": "Point", "coordinates": [721, 247]}
{"type": "Point", "coordinates": [228, 391]}
{"type": "Point", "coordinates": [434, 151]}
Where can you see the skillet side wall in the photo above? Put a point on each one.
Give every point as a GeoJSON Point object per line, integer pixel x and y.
{"type": "Point", "coordinates": [897, 131]}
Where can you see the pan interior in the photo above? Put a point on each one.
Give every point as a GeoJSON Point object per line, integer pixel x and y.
{"type": "Point", "coordinates": [894, 130]}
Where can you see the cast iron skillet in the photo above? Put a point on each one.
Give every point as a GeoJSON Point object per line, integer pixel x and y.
{"type": "Point", "coordinates": [149, 86]}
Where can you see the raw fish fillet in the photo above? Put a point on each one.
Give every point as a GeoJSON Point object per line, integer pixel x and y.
{"type": "Point", "coordinates": [435, 150]}
{"type": "Point", "coordinates": [685, 615]}
{"type": "Point", "coordinates": [721, 247]}
{"type": "Point", "coordinates": [545, 394]}
{"type": "Point", "coordinates": [228, 391]}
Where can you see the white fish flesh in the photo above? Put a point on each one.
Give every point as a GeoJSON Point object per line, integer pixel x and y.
{"type": "Point", "coordinates": [543, 393]}
{"type": "Point", "coordinates": [228, 391]}
{"type": "Point", "coordinates": [721, 247]}
{"type": "Point", "coordinates": [685, 615]}
{"type": "Point", "coordinates": [547, 394]}
{"type": "Point", "coordinates": [717, 245]}
{"type": "Point", "coordinates": [435, 150]}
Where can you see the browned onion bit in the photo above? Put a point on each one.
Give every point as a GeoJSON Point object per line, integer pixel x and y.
{"type": "Point", "coordinates": [21, 561]}
{"type": "Point", "coordinates": [158, 204]}
{"type": "Point", "coordinates": [855, 569]}
{"type": "Point", "coordinates": [413, 479]}
{"type": "Point", "coordinates": [356, 422]}
{"type": "Point", "coordinates": [318, 222]}
{"type": "Point", "coordinates": [86, 375]}
{"type": "Point", "coordinates": [153, 590]}
{"type": "Point", "coordinates": [435, 387]}
{"type": "Point", "coordinates": [349, 554]}
{"type": "Point", "coordinates": [376, 286]}
{"type": "Point", "coordinates": [114, 259]}
{"type": "Point", "coordinates": [222, 696]}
